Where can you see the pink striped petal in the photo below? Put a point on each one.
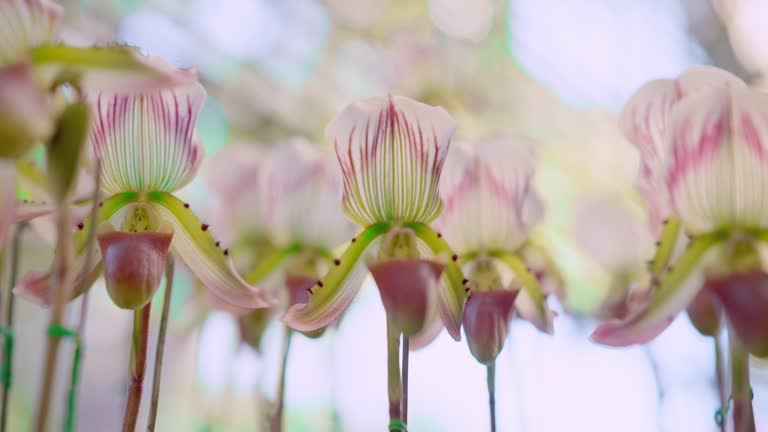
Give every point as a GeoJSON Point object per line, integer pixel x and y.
{"type": "Point", "coordinates": [391, 150]}
{"type": "Point", "coordinates": [146, 141]}
{"type": "Point", "coordinates": [717, 172]}
{"type": "Point", "coordinates": [303, 192]}
{"type": "Point", "coordinates": [26, 115]}
{"type": "Point", "coordinates": [489, 202]}
{"type": "Point", "coordinates": [25, 24]}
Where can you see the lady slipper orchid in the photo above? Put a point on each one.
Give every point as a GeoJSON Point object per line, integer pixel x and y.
{"type": "Point", "coordinates": [490, 208]}
{"type": "Point", "coordinates": [391, 151]}
{"type": "Point", "coordinates": [148, 149]}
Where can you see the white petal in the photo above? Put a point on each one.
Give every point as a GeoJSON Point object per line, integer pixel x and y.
{"type": "Point", "coordinates": [303, 193]}
{"type": "Point", "coordinates": [26, 115]}
{"type": "Point", "coordinates": [146, 141]}
{"type": "Point", "coordinates": [25, 24]}
{"type": "Point", "coordinates": [489, 203]}
{"type": "Point", "coordinates": [717, 172]}
{"type": "Point", "coordinates": [391, 151]}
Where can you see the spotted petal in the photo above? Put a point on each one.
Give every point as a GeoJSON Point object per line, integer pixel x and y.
{"type": "Point", "coordinates": [25, 24]}
{"type": "Point", "coordinates": [302, 192]}
{"type": "Point", "coordinates": [717, 174]}
{"type": "Point", "coordinates": [335, 291]}
{"type": "Point", "coordinates": [146, 141]}
{"type": "Point", "coordinates": [391, 151]}
{"type": "Point", "coordinates": [531, 304]}
{"type": "Point", "coordinates": [194, 244]}
{"type": "Point", "coordinates": [487, 193]}
{"type": "Point", "coordinates": [671, 297]}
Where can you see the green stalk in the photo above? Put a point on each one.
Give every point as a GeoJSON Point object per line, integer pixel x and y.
{"type": "Point", "coordinates": [276, 420]}
{"type": "Point", "coordinates": [721, 379]}
{"type": "Point", "coordinates": [743, 415]}
{"type": "Point", "coordinates": [491, 380]}
{"type": "Point", "coordinates": [394, 389]}
{"type": "Point", "coordinates": [8, 339]}
{"type": "Point", "coordinates": [157, 375]}
{"type": "Point", "coordinates": [137, 366]}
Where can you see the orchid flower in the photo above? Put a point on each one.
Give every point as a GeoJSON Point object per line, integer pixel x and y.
{"type": "Point", "coordinates": [391, 151]}
{"type": "Point", "coordinates": [148, 149]}
{"type": "Point", "coordinates": [490, 208]}
{"type": "Point", "coordinates": [713, 176]}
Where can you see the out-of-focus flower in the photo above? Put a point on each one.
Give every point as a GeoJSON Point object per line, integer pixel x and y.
{"type": "Point", "coordinates": [25, 24]}
{"type": "Point", "coordinates": [715, 179]}
{"type": "Point", "coordinates": [148, 149]}
{"type": "Point", "coordinates": [26, 113]}
{"type": "Point", "coordinates": [490, 208]}
{"type": "Point", "coordinates": [7, 197]}
{"type": "Point", "coordinates": [391, 150]}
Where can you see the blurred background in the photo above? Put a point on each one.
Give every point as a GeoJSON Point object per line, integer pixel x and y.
{"type": "Point", "coordinates": [557, 71]}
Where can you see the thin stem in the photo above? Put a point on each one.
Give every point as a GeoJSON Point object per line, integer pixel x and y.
{"type": "Point", "coordinates": [276, 420]}
{"type": "Point", "coordinates": [137, 366]}
{"type": "Point", "coordinates": [491, 373]}
{"type": "Point", "coordinates": [61, 284]}
{"type": "Point", "coordinates": [720, 375]}
{"type": "Point", "coordinates": [157, 375]}
{"type": "Point", "coordinates": [78, 356]}
{"type": "Point", "coordinates": [743, 416]}
{"type": "Point", "coordinates": [394, 388]}
{"type": "Point", "coordinates": [406, 352]}
{"type": "Point", "coordinates": [8, 341]}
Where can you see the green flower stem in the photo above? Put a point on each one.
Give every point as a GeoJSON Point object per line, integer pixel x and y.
{"type": "Point", "coordinates": [276, 419]}
{"type": "Point", "coordinates": [406, 352]}
{"type": "Point", "coordinates": [665, 247]}
{"type": "Point", "coordinates": [720, 375]}
{"type": "Point", "coordinates": [83, 288]}
{"type": "Point", "coordinates": [8, 336]}
{"type": "Point", "coordinates": [137, 366]}
{"type": "Point", "coordinates": [269, 263]}
{"type": "Point", "coordinates": [491, 379]}
{"type": "Point", "coordinates": [157, 375]}
{"type": "Point", "coordinates": [743, 416]}
{"type": "Point", "coordinates": [61, 284]}
{"type": "Point", "coordinates": [394, 388]}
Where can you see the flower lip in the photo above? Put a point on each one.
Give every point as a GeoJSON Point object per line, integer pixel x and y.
{"type": "Point", "coordinates": [486, 322]}
{"type": "Point", "coordinates": [134, 263]}
{"type": "Point", "coordinates": [408, 289]}
{"type": "Point", "coordinates": [744, 298]}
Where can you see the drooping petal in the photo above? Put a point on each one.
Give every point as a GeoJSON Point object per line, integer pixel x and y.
{"type": "Point", "coordinates": [452, 292]}
{"type": "Point", "coordinates": [302, 196]}
{"type": "Point", "coordinates": [112, 68]}
{"type": "Point", "coordinates": [331, 295]}
{"type": "Point", "coordinates": [26, 114]}
{"type": "Point", "coordinates": [531, 304]}
{"type": "Point", "coordinates": [717, 173]}
{"type": "Point", "coordinates": [25, 24]}
{"type": "Point", "coordinates": [488, 196]}
{"type": "Point", "coordinates": [134, 263]}
{"type": "Point", "coordinates": [194, 244]}
{"type": "Point", "coordinates": [744, 298]}
{"type": "Point", "coordinates": [671, 297]}
{"type": "Point", "coordinates": [7, 198]}
{"type": "Point", "coordinates": [486, 323]}
{"type": "Point", "coordinates": [408, 289]}
{"type": "Point", "coordinates": [146, 141]}
{"type": "Point", "coordinates": [391, 151]}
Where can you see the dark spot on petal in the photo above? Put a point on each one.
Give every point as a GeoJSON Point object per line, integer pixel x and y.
{"type": "Point", "coordinates": [186, 205]}
{"type": "Point", "coordinates": [354, 239]}
{"type": "Point", "coordinates": [80, 226]}
{"type": "Point", "coordinates": [320, 283]}
{"type": "Point", "coordinates": [658, 243]}
{"type": "Point", "coordinates": [455, 257]}
{"type": "Point", "coordinates": [205, 227]}
{"type": "Point", "coordinates": [218, 243]}
{"type": "Point", "coordinates": [226, 251]}
{"type": "Point", "coordinates": [439, 235]}
{"type": "Point", "coordinates": [665, 221]}
{"type": "Point", "coordinates": [309, 290]}
{"type": "Point", "coordinates": [337, 261]}
{"type": "Point", "coordinates": [465, 281]}
{"type": "Point", "coordinates": [466, 289]}
{"type": "Point", "coordinates": [101, 204]}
